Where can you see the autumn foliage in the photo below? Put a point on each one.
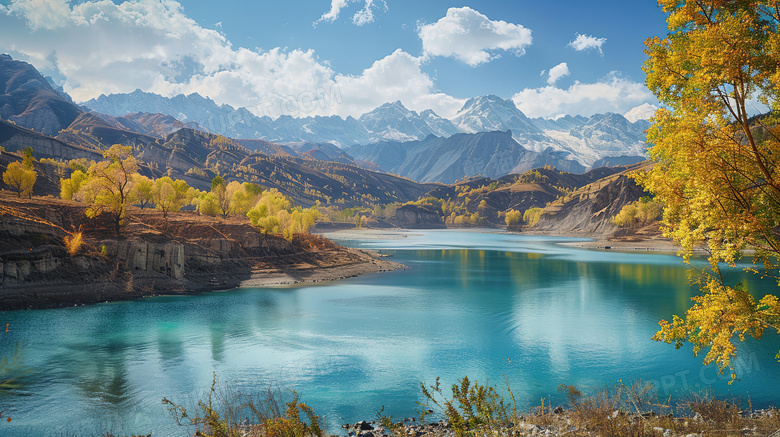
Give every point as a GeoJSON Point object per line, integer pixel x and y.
{"type": "Point", "coordinates": [716, 166]}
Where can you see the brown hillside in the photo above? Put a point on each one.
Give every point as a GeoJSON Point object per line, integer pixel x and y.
{"type": "Point", "coordinates": [185, 253]}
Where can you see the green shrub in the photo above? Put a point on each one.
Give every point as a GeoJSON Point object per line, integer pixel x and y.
{"type": "Point", "coordinates": [472, 409]}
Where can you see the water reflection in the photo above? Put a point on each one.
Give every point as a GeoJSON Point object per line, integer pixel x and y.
{"type": "Point", "coordinates": [489, 306]}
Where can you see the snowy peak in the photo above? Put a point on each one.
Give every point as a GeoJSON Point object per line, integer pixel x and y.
{"type": "Point", "coordinates": [394, 122]}
{"type": "Point", "coordinates": [492, 113]}
{"type": "Point", "coordinates": [587, 140]}
{"type": "Point", "coordinates": [601, 136]}
{"type": "Point", "coordinates": [641, 112]}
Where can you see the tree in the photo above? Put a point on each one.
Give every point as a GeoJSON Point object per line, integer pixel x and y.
{"type": "Point", "coordinates": [27, 158]}
{"type": "Point", "coordinates": [20, 179]}
{"type": "Point", "coordinates": [513, 218]}
{"type": "Point", "coordinates": [642, 212]}
{"type": "Point", "coordinates": [220, 192]}
{"type": "Point", "coordinates": [110, 183]}
{"type": "Point", "coordinates": [243, 196]}
{"type": "Point", "coordinates": [71, 186]}
{"type": "Point", "coordinates": [716, 168]}
{"type": "Point", "coordinates": [264, 214]}
{"type": "Point", "coordinates": [273, 215]}
{"type": "Point", "coordinates": [170, 195]}
{"type": "Point", "coordinates": [142, 190]}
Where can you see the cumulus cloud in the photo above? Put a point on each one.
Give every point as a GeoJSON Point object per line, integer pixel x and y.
{"type": "Point", "coordinates": [469, 36]}
{"type": "Point", "coordinates": [361, 17]}
{"type": "Point", "coordinates": [611, 94]}
{"type": "Point", "coordinates": [380, 83]}
{"type": "Point", "coordinates": [558, 72]}
{"type": "Point", "coordinates": [99, 47]}
{"type": "Point", "coordinates": [587, 42]}
{"type": "Point", "coordinates": [42, 14]}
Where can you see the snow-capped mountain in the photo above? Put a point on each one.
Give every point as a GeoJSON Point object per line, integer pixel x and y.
{"type": "Point", "coordinates": [641, 112]}
{"type": "Point", "coordinates": [392, 121]}
{"type": "Point", "coordinates": [587, 140]}
{"type": "Point", "coordinates": [438, 159]}
{"type": "Point", "coordinates": [600, 136]}
{"type": "Point", "coordinates": [492, 113]}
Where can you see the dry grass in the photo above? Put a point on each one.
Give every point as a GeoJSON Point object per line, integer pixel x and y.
{"type": "Point", "coordinates": [229, 413]}
{"type": "Point", "coordinates": [73, 243]}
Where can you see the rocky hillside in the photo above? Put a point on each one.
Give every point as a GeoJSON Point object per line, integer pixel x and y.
{"type": "Point", "coordinates": [182, 254]}
{"type": "Point", "coordinates": [193, 156]}
{"type": "Point", "coordinates": [447, 160]}
{"type": "Point", "coordinates": [27, 99]}
{"type": "Point", "coordinates": [587, 211]}
{"type": "Point", "coordinates": [14, 138]}
{"type": "Point", "coordinates": [307, 172]}
{"type": "Point", "coordinates": [491, 199]}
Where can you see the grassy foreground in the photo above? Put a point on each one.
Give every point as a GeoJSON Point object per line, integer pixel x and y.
{"type": "Point", "coordinates": [472, 409]}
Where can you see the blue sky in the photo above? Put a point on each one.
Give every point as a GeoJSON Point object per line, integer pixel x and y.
{"type": "Point", "coordinates": [343, 57]}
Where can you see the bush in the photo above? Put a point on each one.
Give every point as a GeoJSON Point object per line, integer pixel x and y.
{"type": "Point", "coordinates": [531, 216]}
{"type": "Point", "coordinates": [513, 218]}
{"type": "Point", "coordinates": [228, 413]}
{"type": "Point", "coordinates": [639, 213]}
{"type": "Point", "coordinates": [473, 408]}
{"type": "Point", "coordinates": [73, 243]}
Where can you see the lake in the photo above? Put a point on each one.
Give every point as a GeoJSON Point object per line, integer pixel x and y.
{"type": "Point", "coordinates": [485, 305]}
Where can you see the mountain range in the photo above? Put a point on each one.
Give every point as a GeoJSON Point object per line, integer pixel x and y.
{"type": "Point", "coordinates": [583, 139]}
{"type": "Point", "coordinates": [34, 113]}
{"type": "Point", "coordinates": [489, 136]}
{"type": "Point", "coordinates": [448, 160]}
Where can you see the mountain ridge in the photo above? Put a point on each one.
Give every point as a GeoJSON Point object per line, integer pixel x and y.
{"type": "Point", "coordinates": [394, 122]}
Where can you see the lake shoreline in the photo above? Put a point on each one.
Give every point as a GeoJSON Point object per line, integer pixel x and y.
{"type": "Point", "coordinates": [60, 295]}
{"type": "Point", "coordinates": [655, 244]}
{"type": "Point", "coordinates": [180, 253]}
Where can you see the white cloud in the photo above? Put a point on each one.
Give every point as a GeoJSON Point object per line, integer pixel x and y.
{"type": "Point", "coordinates": [366, 15]}
{"type": "Point", "coordinates": [558, 72]}
{"type": "Point", "coordinates": [361, 17]}
{"type": "Point", "coordinates": [335, 9]}
{"type": "Point", "coordinates": [42, 14]}
{"type": "Point", "coordinates": [471, 37]}
{"type": "Point", "coordinates": [379, 84]}
{"type": "Point", "coordinates": [99, 47]}
{"type": "Point", "coordinates": [587, 42]}
{"type": "Point", "coordinates": [611, 94]}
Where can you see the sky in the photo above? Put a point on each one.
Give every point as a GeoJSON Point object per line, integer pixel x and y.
{"type": "Point", "coordinates": [344, 57]}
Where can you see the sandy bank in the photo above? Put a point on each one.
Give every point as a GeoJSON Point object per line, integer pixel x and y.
{"type": "Point", "coordinates": [372, 263]}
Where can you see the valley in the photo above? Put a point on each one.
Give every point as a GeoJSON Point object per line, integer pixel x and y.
{"type": "Point", "coordinates": [389, 219]}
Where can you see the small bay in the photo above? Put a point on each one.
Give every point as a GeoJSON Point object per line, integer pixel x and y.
{"type": "Point", "coordinates": [487, 305]}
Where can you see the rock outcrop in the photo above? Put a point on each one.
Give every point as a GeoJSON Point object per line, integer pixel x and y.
{"type": "Point", "coordinates": [417, 217]}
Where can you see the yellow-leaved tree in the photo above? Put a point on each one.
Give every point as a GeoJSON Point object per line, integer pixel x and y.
{"type": "Point", "coordinates": [273, 214]}
{"type": "Point", "coordinates": [170, 195]}
{"type": "Point", "coordinates": [142, 190]}
{"type": "Point", "coordinates": [20, 178]}
{"type": "Point", "coordinates": [108, 187]}
{"type": "Point", "coordinates": [69, 187]}
{"type": "Point", "coordinates": [716, 167]}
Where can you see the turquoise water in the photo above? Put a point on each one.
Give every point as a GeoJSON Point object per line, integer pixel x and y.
{"type": "Point", "coordinates": [476, 304]}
